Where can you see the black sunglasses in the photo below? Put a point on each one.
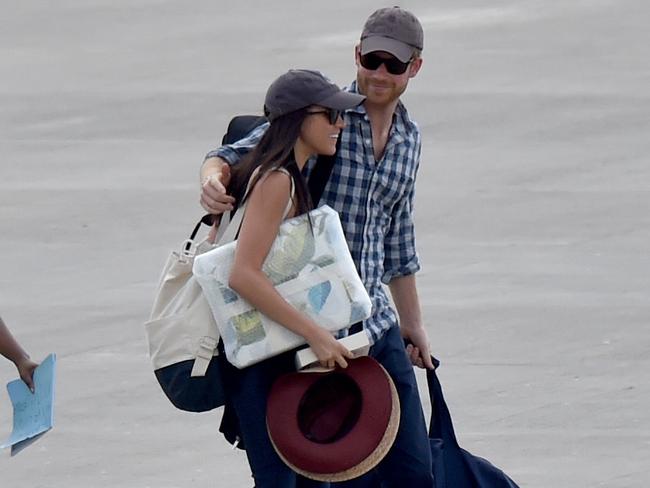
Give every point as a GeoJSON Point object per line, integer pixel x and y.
{"type": "Point", "coordinates": [332, 114]}
{"type": "Point", "coordinates": [394, 66]}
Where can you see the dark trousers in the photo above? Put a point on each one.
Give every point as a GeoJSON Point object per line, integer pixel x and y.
{"type": "Point", "coordinates": [408, 463]}
{"type": "Point", "coordinates": [248, 390]}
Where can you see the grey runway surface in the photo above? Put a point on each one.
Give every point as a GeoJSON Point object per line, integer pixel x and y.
{"type": "Point", "coordinates": [533, 218]}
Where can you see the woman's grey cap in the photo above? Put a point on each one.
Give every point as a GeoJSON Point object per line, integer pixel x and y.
{"type": "Point", "coordinates": [300, 88]}
{"type": "Point", "coordinates": [393, 30]}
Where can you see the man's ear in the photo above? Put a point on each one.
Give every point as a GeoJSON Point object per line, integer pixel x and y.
{"type": "Point", "coordinates": [414, 67]}
{"type": "Point", "coordinates": [357, 49]}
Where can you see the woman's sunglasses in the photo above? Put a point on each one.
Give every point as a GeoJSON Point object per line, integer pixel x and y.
{"type": "Point", "coordinates": [394, 66]}
{"type": "Point", "coordinates": [332, 114]}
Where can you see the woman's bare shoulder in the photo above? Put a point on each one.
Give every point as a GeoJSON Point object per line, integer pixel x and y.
{"type": "Point", "coordinates": [272, 190]}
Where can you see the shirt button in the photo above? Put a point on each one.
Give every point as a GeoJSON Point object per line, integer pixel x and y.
{"type": "Point", "coordinates": [367, 141]}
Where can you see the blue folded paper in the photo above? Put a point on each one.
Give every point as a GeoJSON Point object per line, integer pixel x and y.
{"type": "Point", "coordinates": [33, 412]}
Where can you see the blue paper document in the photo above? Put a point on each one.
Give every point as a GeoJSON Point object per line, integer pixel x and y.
{"type": "Point", "coordinates": [33, 412]}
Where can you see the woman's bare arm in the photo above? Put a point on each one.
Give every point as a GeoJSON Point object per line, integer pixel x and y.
{"type": "Point", "coordinates": [264, 214]}
{"type": "Point", "coordinates": [10, 349]}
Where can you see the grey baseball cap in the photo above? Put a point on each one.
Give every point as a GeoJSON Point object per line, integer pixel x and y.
{"type": "Point", "coordinates": [300, 88]}
{"type": "Point", "coordinates": [393, 30]}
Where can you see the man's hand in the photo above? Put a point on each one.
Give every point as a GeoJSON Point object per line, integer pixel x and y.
{"type": "Point", "coordinates": [215, 176]}
{"type": "Point", "coordinates": [406, 300]}
{"type": "Point", "coordinates": [418, 350]}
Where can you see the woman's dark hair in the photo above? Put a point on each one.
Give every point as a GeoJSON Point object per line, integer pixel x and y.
{"type": "Point", "coordinates": [274, 150]}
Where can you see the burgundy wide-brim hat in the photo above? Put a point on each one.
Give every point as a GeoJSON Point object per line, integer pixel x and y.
{"type": "Point", "coordinates": [336, 425]}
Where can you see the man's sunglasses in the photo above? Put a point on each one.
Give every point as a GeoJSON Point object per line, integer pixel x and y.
{"type": "Point", "coordinates": [332, 114]}
{"type": "Point", "coordinates": [394, 66]}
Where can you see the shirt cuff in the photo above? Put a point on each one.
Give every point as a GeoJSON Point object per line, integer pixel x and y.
{"type": "Point", "coordinates": [229, 155]}
{"type": "Point", "coordinates": [408, 269]}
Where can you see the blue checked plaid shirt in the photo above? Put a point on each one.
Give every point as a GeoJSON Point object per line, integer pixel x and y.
{"type": "Point", "coordinates": [374, 200]}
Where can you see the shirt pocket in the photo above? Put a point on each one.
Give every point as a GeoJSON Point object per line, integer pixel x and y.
{"type": "Point", "coordinates": [392, 183]}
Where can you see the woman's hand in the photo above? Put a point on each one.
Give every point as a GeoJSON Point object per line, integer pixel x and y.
{"type": "Point", "coordinates": [26, 369]}
{"type": "Point", "coordinates": [327, 349]}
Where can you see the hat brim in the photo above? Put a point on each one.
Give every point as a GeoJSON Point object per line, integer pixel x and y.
{"type": "Point", "coordinates": [353, 455]}
{"type": "Point", "coordinates": [399, 49]}
{"type": "Point", "coordinates": [341, 100]}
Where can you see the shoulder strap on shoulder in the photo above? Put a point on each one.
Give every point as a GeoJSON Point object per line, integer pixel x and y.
{"type": "Point", "coordinates": [291, 192]}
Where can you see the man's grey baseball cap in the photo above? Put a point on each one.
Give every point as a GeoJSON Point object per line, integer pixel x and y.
{"type": "Point", "coordinates": [393, 30]}
{"type": "Point", "coordinates": [300, 88]}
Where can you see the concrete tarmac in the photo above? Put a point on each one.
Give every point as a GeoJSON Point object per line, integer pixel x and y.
{"type": "Point", "coordinates": [533, 218]}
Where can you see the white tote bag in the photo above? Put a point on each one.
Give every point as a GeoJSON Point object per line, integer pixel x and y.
{"type": "Point", "coordinates": [311, 267]}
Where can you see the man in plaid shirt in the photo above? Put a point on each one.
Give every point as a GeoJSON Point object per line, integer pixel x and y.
{"type": "Point", "coordinates": [372, 187]}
